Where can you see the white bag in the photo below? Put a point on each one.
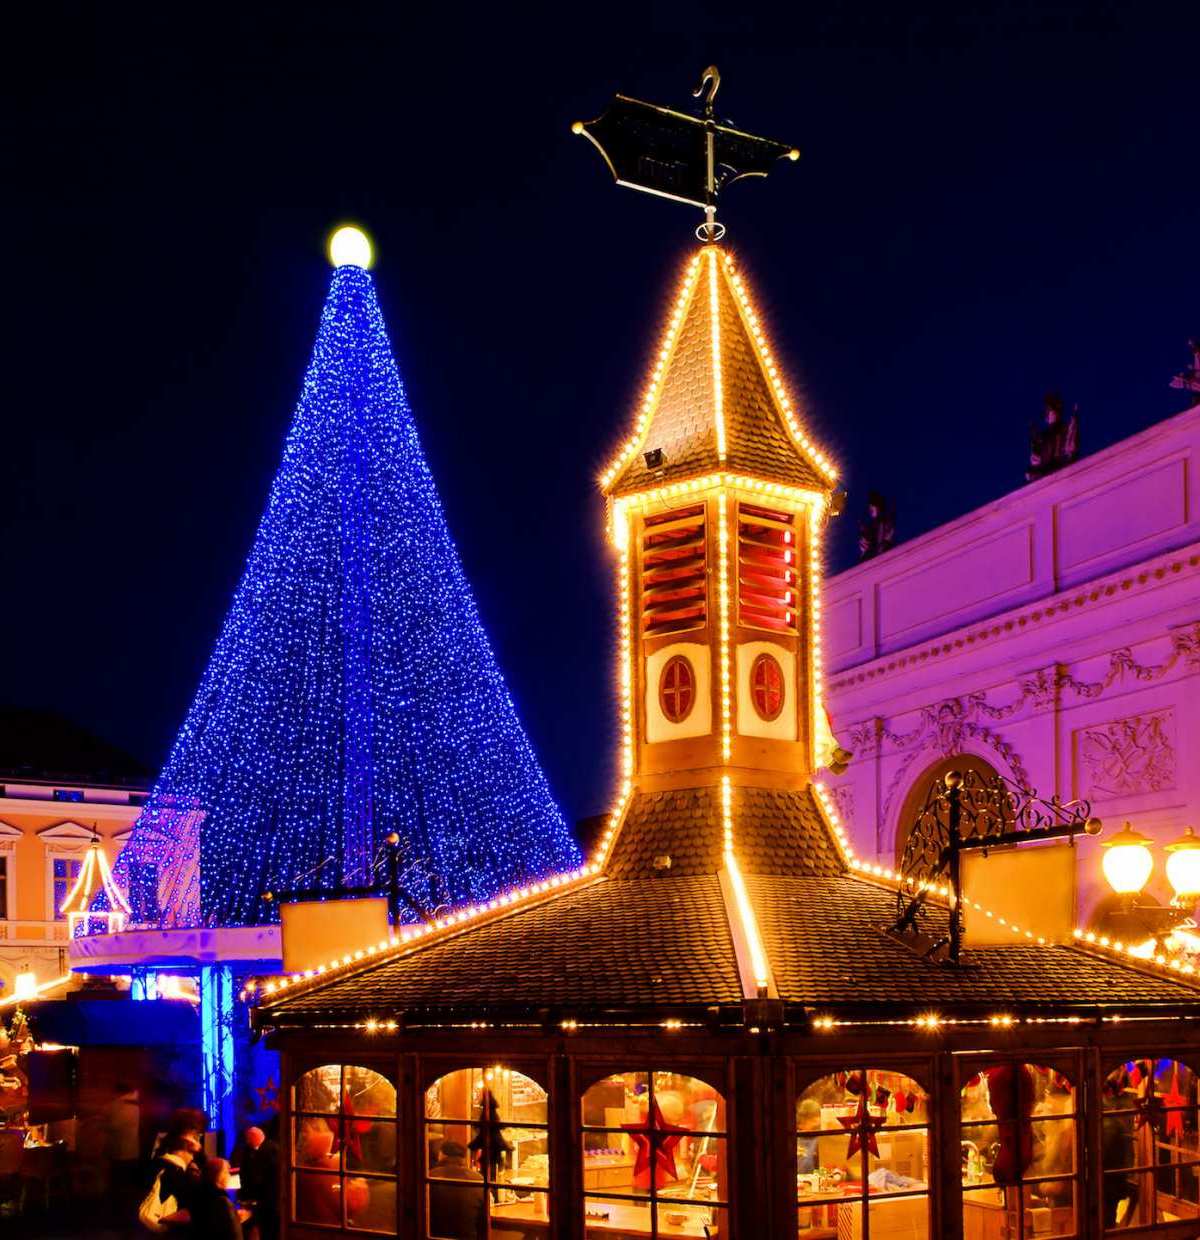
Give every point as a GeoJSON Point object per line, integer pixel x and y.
{"type": "Point", "coordinates": [153, 1209]}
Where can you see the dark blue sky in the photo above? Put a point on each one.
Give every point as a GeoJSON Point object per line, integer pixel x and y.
{"type": "Point", "coordinates": [988, 206]}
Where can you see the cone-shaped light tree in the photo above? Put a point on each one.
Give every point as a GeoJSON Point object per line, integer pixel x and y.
{"type": "Point", "coordinates": [352, 692]}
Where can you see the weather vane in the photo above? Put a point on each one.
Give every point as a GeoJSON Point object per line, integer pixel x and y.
{"type": "Point", "coordinates": [687, 158]}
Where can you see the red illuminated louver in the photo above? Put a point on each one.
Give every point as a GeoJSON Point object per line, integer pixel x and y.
{"type": "Point", "coordinates": [768, 569]}
{"type": "Point", "coordinates": [673, 571]}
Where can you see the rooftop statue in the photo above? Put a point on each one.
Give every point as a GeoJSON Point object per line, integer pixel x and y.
{"type": "Point", "coordinates": [877, 530]}
{"type": "Point", "coordinates": [1189, 380]}
{"type": "Point", "coordinates": [1055, 443]}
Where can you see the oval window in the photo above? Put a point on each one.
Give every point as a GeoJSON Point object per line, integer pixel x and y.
{"type": "Point", "coordinates": [766, 687]}
{"type": "Point", "coordinates": [677, 689]}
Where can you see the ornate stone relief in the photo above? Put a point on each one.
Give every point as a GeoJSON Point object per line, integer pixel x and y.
{"type": "Point", "coordinates": [1127, 757]}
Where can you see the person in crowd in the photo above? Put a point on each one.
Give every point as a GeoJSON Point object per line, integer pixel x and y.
{"type": "Point", "coordinates": [172, 1172]}
{"type": "Point", "coordinates": [214, 1216]}
{"type": "Point", "coordinates": [456, 1211]}
{"type": "Point", "coordinates": [258, 1167]}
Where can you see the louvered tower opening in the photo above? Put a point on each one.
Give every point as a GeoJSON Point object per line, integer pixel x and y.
{"type": "Point", "coordinates": [768, 569]}
{"type": "Point", "coordinates": [674, 562]}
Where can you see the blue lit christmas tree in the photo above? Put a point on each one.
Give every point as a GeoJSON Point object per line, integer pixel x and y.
{"type": "Point", "coordinates": [352, 691]}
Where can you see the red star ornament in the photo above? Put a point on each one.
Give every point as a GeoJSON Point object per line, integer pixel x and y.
{"type": "Point", "coordinates": [862, 1123]}
{"type": "Point", "coordinates": [663, 1151]}
{"type": "Point", "coordinates": [1174, 1102]}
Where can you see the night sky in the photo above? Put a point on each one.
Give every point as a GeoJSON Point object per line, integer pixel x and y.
{"type": "Point", "coordinates": [987, 207]}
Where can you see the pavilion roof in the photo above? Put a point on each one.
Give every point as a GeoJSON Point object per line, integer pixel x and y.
{"type": "Point", "coordinates": [647, 939]}
{"type": "Point", "coordinates": [715, 401]}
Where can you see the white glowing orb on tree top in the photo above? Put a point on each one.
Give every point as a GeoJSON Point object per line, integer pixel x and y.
{"type": "Point", "coordinates": [350, 247]}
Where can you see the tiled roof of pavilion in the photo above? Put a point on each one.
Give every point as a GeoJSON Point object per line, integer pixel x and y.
{"type": "Point", "coordinates": [715, 401]}
{"type": "Point", "coordinates": [644, 937]}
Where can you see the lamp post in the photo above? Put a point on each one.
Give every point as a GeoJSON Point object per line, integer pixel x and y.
{"type": "Point", "coordinates": [1183, 867]}
{"type": "Point", "coordinates": [1127, 861]}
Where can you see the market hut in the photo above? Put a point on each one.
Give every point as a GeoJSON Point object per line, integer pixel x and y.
{"type": "Point", "coordinates": [723, 1025]}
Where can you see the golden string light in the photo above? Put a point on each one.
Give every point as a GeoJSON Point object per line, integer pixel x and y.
{"type": "Point", "coordinates": [654, 387]}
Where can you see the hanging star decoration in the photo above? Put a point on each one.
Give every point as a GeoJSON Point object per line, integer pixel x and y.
{"type": "Point", "coordinates": [661, 1150]}
{"type": "Point", "coordinates": [349, 1130]}
{"type": "Point", "coordinates": [862, 1124]}
{"type": "Point", "coordinates": [268, 1095]}
{"type": "Point", "coordinates": [1173, 1103]}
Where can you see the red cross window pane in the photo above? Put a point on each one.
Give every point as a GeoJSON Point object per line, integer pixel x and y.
{"type": "Point", "coordinates": [766, 687]}
{"type": "Point", "coordinates": [677, 689]}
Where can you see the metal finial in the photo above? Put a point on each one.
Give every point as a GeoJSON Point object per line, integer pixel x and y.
{"type": "Point", "coordinates": [710, 80]}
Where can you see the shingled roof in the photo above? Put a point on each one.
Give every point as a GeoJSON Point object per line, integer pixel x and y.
{"type": "Point", "coordinates": [713, 365]}
{"type": "Point", "coordinates": [648, 937]}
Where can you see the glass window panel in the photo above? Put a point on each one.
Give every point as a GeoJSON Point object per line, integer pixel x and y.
{"type": "Point", "coordinates": [317, 1198]}
{"type": "Point", "coordinates": [515, 1207]}
{"type": "Point", "coordinates": [528, 1160]}
{"type": "Point", "coordinates": [370, 1146]}
{"type": "Point", "coordinates": [368, 1093]}
{"type": "Point", "coordinates": [616, 1100]}
{"type": "Point", "coordinates": [448, 1151]}
{"type": "Point", "coordinates": [677, 1219]}
{"type": "Point", "coordinates": [689, 1102]}
{"type": "Point", "coordinates": [1050, 1208]}
{"type": "Point", "coordinates": [691, 1167]}
{"type": "Point", "coordinates": [450, 1096]}
{"type": "Point", "coordinates": [1122, 1194]}
{"type": "Point", "coordinates": [818, 1220]}
{"type": "Point", "coordinates": [1118, 1138]}
{"type": "Point", "coordinates": [456, 1211]}
{"type": "Point", "coordinates": [315, 1143]}
{"type": "Point", "coordinates": [501, 1093]}
{"type": "Point", "coordinates": [1053, 1148]}
{"type": "Point", "coordinates": [906, 1218]}
{"type": "Point", "coordinates": [319, 1089]}
{"type": "Point", "coordinates": [903, 1161]}
{"type": "Point", "coordinates": [602, 1217]}
{"type": "Point", "coordinates": [371, 1205]}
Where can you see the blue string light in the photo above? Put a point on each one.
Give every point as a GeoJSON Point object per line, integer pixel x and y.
{"type": "Point", "coordinates": [352, 691]}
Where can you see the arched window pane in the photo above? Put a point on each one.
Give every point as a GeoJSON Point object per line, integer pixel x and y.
{"type": "Point", "coordinates": [1020, 1163]}
{"type": "Point", "coordinates": [1149, 1144]}
{"type": "Point", "coordinates": [487, 1154]}
{"type": "Point", "coordinates": [862, 1148]}
{"type": "Point", "coordinates": [343, 1149]}
{"type": "Point", "coordinates": [655, 1158]}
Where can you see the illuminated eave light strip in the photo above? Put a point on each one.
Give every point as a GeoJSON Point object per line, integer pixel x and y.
{"type": "Point", "coordinates": [802, 441]}
{"type": "Point", "coordinates": [724, 654]}
{"type": "Point", "coordinates": [415, 936]}
{"type": "Point", "coordinates": [654, 388]}
{"type": "Point", "coordinates": [714, 313]}
{"type": "Point", "coordinates": [758, 954]}
{"type": "Point", "coordinates": [13, 999]}
{"type": "Point", "coordinates": [1130, 953]}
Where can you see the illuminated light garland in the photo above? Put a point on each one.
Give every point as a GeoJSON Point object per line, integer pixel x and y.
{"type": "Point", "coordinates": [724, 652]}
{"type": "Point", "coordinates": [1082, 937]}
{"type": "Point", "coordinates": [745, 910]}
{"type": "Point", "coordinates": [800, 438]}
{"type": "Point", "coordinates": [653, 389]}
{"type": "Point", "coordinates": [95, 879]}
{"type": "Point", "coordinates": [411, 937]}
{"type": "Point", "coordinates": [714, 314]}
{"type": "Point", "coordinates": [23, 995]}
{"type": "Point", "coordinates": [352, 691]}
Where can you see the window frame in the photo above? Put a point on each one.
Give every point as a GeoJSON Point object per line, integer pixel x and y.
{"type": "Point", "coordinates": [295, 1114]}
{"type": "Point", "coordinates": [1072, 1069]}
{"type": "Point", "coordinates": [1146, 1173]}
{"type": "Point", "coordinates": [432, 1075]}
{"type": "Point", "coordinates": [652, 1195]}
{"type": "Point", "coordinates": [806, 1075]}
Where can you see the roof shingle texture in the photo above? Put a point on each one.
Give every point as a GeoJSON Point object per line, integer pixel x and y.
{"type": "Point", "coordinates": [775, 831]}
{"type": "Point", "coordinates": [683, 423]}
{"type": "Point", "coordinates": [611, 944]}
{"type": "Point", "coordinates": [823, 940]}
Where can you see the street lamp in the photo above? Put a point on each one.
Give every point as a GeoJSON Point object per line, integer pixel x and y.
{"type": "Point", "coordinates": [1183, 867]}
{"type": "Point", "coordinates": [1127, 861]}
